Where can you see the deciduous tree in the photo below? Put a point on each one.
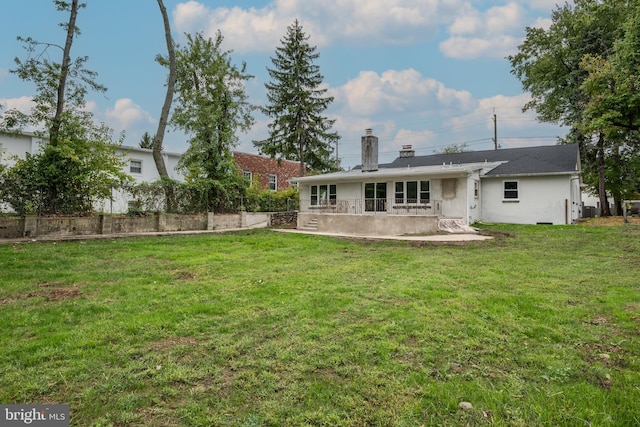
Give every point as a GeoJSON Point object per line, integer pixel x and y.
{"type": "Point", "coordinates": [80, 163]}
{"type": "Point", "coordinates": [211, 107]}
{"type": "Point", "coordinates": [564, 68]}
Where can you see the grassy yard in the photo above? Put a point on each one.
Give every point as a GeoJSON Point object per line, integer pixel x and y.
{"type": "Point", "coordinates": [540, 326]}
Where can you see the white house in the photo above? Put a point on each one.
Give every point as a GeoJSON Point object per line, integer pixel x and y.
{"type": "Point", "coordinates": [417, 194]}
{"type": "Point", "coordinates": [139, 165]}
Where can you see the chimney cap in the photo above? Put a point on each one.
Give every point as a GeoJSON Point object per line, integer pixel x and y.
{"type": "Point", "coordinates": [368, 131]}
{"type": "Point", "coordinates": [407, 147]}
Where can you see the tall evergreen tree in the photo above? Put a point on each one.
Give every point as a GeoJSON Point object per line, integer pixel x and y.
{"type": "Point", "coordinates": [298, 131]}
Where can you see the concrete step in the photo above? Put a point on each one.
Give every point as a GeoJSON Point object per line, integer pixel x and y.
{"type": "Point", "coordinates": [311, 225]}
{"type": "Point", "coordinates": [455, 225]}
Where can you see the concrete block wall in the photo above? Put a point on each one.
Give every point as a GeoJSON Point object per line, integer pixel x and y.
{"type": "Point", "coordinates": [33, 226]}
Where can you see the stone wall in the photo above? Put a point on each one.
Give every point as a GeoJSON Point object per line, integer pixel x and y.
{"type": "Point", "coordinates": [284, 219]}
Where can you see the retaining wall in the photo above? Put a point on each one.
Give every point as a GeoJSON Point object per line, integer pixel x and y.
{"type": "Point", "coordinates": [33, 226]}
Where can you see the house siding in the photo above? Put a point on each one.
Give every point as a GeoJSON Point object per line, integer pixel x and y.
{"type": "Point", "coordinates": [541, 199]}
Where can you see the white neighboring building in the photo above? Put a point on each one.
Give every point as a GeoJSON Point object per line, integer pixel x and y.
{"type": "Point", "coordinates": [140, 165]}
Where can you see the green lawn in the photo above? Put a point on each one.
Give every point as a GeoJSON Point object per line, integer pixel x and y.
{"type": "Point", "coordinates": [540, 326]}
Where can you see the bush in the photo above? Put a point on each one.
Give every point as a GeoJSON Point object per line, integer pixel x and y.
{"type": "Point", "coordinates": [271, 201]}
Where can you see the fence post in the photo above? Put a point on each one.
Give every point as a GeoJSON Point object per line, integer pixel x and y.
{"type": "Point", "coordinates": [210, 221]}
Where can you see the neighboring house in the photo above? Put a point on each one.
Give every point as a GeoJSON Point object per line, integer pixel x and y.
{"type": "Point", "coordinates": [418, 194]}
{"type": "Point", "coordinates": [141, 167]}
{"type": "Point", "coordinates": [268, 173]}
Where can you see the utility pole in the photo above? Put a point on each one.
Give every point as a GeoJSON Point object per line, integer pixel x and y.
{"type": "Point", "coordinates": [495, 131]}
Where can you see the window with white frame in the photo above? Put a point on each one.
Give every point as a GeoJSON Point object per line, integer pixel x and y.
{"type": "Point", "coordinates": [412, 192]}
{"type": "Point", "coordinates": [273, 182]}
{"type": "Point", "coordinates": [510, 190]}
{"type": "Point", "coordinates": [323, 194]}
{"type": "Point", "coordinates": [247, 175]}
{"type": "Point", "coordinates": [135, 166]}
{"type": "Point", "coordinates": [476, 189]}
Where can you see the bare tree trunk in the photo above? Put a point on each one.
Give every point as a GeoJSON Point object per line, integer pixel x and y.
{"type": "Point", "coordinates": [64, 72]}
{"type": "Point", "coordinates": [166, 107]}
{"type": "Point", "coordinates": [602, 193]}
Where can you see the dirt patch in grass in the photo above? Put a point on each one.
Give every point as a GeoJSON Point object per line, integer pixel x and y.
{"type": "Point", "coordinates": [172, 342]}
{"type": "Point", "coordinates": [184, 275]}
{"type": "Point", "coordinates": [610, 221]}
{"type": "Point", "coordinates": [50, 291]}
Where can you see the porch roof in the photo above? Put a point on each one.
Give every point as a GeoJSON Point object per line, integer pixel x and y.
{"type": "Point", "coordinates": [357, 175]}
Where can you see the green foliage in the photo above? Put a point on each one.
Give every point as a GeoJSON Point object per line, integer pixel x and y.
{"type": "Point", "coordinates": [211, 107]}
{"type": "Point", "coordinates": [454, 148]}
{"type": "Point", "coordinates": [583, 72]}
{"type": "Point", "coordinates": [79, 164]}
{"type": "Point", "coordinates": [296, 98]}
{"type": "Point", "coordinates": [613, 80]}
{"type": "Point", "coordinates": [194, 196]}
{"type": "Point", "coordinates": [146, 141]}
{"type": "Point", "coordinates": [259, 200]}
{"type": "Point", "coordinates": [66, 178]}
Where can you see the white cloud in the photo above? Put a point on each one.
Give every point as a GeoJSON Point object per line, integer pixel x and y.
{"type": "Point", "coordinates": [544, 5]}
{"type": "Point", "coordinates": [126, 114]}
{"type": "Point", "coordinates": [406, 91]}
{"type": "Point", "coordinates": [22, 104]}
{"type": "Point", "coordinates": [354, 21]}
{"type": "Point", "coordinates": [494, 33]}
{"type": "Point", "coordinates": [480, 47]}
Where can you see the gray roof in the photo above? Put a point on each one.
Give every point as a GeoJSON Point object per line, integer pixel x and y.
{"type": "Point", "coordinates": [529, 160]}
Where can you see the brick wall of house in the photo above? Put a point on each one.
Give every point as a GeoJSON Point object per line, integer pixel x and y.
{"type": "Point", "coordinates": [261, 167]}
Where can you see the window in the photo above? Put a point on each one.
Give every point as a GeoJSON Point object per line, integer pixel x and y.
{"type": "Point", "coordinates": [415, 192]}
{"type": "Point", "coordinates": [476, 189]}
{"type": "Point", "coordinates": [511, 190]}
{"type": "Point", "coordinates": [247, 175]}
{"type": "Point", "coordinates": [375, 196]}
{"type": "Point", "coordinates": [399, 193]}
{"type": "Point", "coordinates": [135, 166]}
{"type": "Point", "coordinates": [425, 191]}
{"type": "Point", "coordinates": [273, 182]}
{"type": "Point", "coordinates": [323, 194]}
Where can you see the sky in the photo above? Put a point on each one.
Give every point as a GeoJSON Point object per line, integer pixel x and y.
{"type": "Point", "coordinates": [426, 73]}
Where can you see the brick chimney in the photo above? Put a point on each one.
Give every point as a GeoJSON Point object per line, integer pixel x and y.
{"type": "Point", "coordinates": [369, 151]}
{"type": "Point", "coordinates": [407, 151]}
